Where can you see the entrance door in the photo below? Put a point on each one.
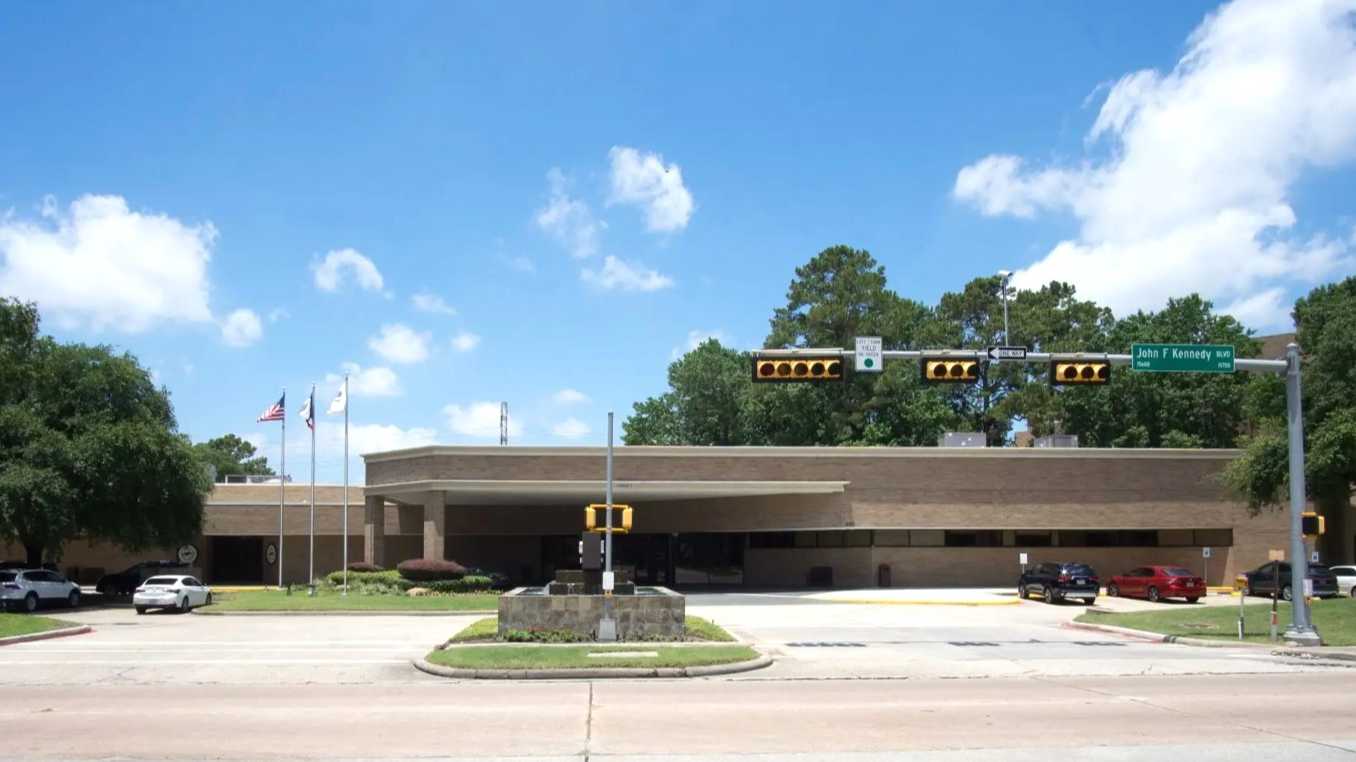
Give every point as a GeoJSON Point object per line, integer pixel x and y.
{"type": "Point", "coordinates": [237, 560]}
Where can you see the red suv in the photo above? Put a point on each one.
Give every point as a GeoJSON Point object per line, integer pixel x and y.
{"type": "Point", "coordinates": [1157, 583]}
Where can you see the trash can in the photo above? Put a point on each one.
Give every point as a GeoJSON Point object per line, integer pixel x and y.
{"type": "Point", "coordinates": [883, 575]}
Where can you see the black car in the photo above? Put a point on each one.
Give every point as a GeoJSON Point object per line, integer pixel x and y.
{"type": "Point", "coordinates": [1059, 581]}
{"type": "Point", "coordinates": [1262, 580]}
{"type": "Point", "coordinates": [126, 581]}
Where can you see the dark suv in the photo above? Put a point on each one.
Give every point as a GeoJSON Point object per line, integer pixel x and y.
{"type": "Point", "coordinates": [126, 581]}
{"type": "Point", "coordinates": [1262, 580]}
{"type": "Point", "coordinates": [1058, 581]}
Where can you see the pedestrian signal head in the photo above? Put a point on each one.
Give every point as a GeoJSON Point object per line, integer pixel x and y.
{"type": "Point", "coordinates": [942, 371]}
{"type": "Point", "coordinates": [793, 369]}
{"type": "Point", "coordinates": [1311, 524]}
{"type": "Point", "coordinates": [1091, 372]}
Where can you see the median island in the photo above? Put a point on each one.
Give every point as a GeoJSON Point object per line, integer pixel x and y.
{"type": "Point", "coordinates": [1334, 618]}
{"type": "Point", "coordinates": [13, 625]}
{"type": "Point", "coordinates": [480, 650]}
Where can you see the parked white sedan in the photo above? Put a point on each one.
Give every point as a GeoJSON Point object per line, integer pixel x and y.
{"type": "Point", "coordinates": [171, 592]}
{"type": "Point", "coordinates": [25, 588]}
{"type": "Point", "coordinates": [1346, 579]}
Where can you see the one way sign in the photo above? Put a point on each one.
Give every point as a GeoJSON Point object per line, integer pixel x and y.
{"type": "Point", "coordinates": [997, 354]}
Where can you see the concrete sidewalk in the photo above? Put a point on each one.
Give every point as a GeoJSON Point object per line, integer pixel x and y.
{"type": "Point", "coordinates": [920, 596]}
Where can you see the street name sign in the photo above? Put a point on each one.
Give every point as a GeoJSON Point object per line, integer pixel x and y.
{"type": "Point", "coordinates": [868, 357]}
{"type": "Point", "coordinates": [998, 354]}
{"type": "Point", "coordinates": [1182, 358]}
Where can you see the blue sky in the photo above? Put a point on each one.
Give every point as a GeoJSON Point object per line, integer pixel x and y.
{"type": "Point", "coordinates": [248, 196]}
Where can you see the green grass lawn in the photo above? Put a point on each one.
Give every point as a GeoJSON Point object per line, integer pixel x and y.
{"type": "Point", "coordinates": [697, 629]}
{"type": "Point", "coordinates": [330, 600]}
{"type": "Point", "coordinates": [25, 624]}
{"type": "Point", "coordinates": [1335, 619]}
{"type": "Point", "coordinates": [576, 657]}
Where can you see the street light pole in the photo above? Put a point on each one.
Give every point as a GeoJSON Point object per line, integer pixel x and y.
{"type": "Point", "coordinates": [1006, 275]}
{"type": "Point", "coordinates": [1301, 629]}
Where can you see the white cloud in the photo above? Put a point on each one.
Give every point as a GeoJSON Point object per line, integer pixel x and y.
{"type": "Point", "coordinates": [432, 303]}
{"type": "Point", "coordinates": [696, 336]}
{"type": "Point", "coordinates": [478, 420]}
{"type": "Point", "coordinates": [241, 328]}
{"type": "Point", "coordinates": [364, 438]}
{"type": "Point", "coordinates": [366, 382]}
{"type": "Point", "coordinates": [570, 428]}
{"type": "Point", "coordinates": [1193, 190]}
{"type": "Point", "coordinates": [340, 264]}
{"type": "Point", "coordinates": [569, 397]}
{"type": "Point", "coordinates": [399, 343]}
{"type": "Point", "coordinates": [101, 265]}
{"type": "Point", "coordinates": [569, 220]}
{"type": "Point", "coordinates": [642, 179]}
{"type": "Point", "coordinates": [465, 341]}
{"type": "Point", "coordinates": [278, 313]}
{"type": "Point", "coordinates": [617, 274]}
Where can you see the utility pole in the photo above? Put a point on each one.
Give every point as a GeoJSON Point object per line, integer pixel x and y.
{"type": "Point", "coordinates": [607, 627]}
{"type": "Point", "coordinates": [1006, 275]}
{"type": "Point", "coordinates": [1301, 629]}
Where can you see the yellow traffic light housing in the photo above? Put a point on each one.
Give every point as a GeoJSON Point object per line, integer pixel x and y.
{"type": "Point", "coordinates": [940, 370]}
{"type": "Point", "coordinates": [1311, 524]}
{"type": "Point", "coordinates": [1081, 372]}
{"type": "Point", "coordinates": [792, 369]}
{"type": "Point", "coordinates": [591, 518]}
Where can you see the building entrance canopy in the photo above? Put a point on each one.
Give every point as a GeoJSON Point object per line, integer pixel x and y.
{"type": "Point", "coordinates": [508, 492]}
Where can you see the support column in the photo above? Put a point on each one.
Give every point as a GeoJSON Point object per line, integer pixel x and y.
{"type": "Point", "coordinates": [435, 526]}
{"type": "Point", "coordinates": [374, 530]}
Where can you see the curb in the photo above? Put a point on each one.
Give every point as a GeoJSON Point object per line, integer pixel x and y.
{"type": "Point", "coordinates": [598, 673]}
{"type": "Point", "coordinates": [476, 612]}
{"type": "Point", "coordinates": [46, 635]}
{"type": "Point", "coordinates": [1156, 637]}
{"type": "Point", "coordinates": [906, 602]}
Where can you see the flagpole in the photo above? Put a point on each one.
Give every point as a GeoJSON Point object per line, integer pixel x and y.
{"type": "Point", "coordinates": [345, 484]}
{"type": "Point", "coordinates": [282, 489]}
{"type": "Point", "coordinates": [312, 550]}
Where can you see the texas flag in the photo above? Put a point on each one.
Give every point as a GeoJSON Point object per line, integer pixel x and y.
{"type": "Point", "coordinates": [308, 410]}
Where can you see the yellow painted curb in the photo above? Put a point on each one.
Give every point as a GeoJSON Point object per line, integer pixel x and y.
{"type": "Point", "coordinates": [902, 602]}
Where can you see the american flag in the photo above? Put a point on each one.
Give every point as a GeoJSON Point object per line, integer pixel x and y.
{"type": "Point", "coordinates": [274, 411]}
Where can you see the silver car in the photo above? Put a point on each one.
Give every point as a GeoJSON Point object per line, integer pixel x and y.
{"type": "Point", "coordinates": [24, 589]}
{"type": "Point", "coordinates": [171, 591]}
{"type": "Point", "coordinates": [1346, 579]}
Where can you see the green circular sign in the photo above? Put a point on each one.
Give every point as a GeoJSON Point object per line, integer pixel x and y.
{"type": "Point", "coordinates": [868, 362]}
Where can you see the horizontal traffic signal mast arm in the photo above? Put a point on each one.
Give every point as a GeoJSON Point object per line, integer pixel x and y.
{"type": "Point", "coordinates": [848, 356]}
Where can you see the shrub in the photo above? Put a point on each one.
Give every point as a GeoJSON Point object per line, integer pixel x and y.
{"type": "Point", "coordinates": [471, 583]}
{"type": "Point", "coordinates": [429, 570]}
{"type": "Point", "coordinates": [363, 566]}
{"type": "Point", "coordinates": [545, 636]}
{"type": "Point", "coordinates": [385, 579]}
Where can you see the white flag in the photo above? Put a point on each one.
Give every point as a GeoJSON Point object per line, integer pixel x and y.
{"type": "Point", "coordinates": [340, 402]}
{"type": "Point", "coordinates": [306, 411]}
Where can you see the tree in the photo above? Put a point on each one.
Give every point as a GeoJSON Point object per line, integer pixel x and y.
{"type": "Point", "coordinates": [88, 447]}
{"type": "Point", "coordinates": [230, 455]}
{"type": "Point", "coordinates": [1138, 409]}
{"type": "Point", "coordinates": [1326, 332]}
{"type": "Point", "coordinates": [703, 405]}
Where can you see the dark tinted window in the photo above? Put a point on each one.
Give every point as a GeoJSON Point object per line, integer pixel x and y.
{"type": "Point", "coordinates": [1177, 571]}
{"type": "Point", "coordinates": [1082, 570]}
{"type": "Point", "coordinates": [167, 581]}
{"type": "Point", "coordinates": [40, 576]}
{"type": "Point", "coordinates": [8, 576]}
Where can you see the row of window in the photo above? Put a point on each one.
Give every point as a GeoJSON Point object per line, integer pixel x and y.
{"type": "Point", "coordinates": [995, 538]}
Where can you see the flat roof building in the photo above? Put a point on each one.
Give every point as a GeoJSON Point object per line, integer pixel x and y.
{"type": "Point", "coordinates": [751, 516]}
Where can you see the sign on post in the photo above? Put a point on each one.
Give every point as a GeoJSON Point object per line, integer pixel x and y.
{"type": "Point", "coordinates": [868, 355]}
{"type": "Point", "coordinates": [1313, 557]}
{"type": "Point", "coordinates": [1182, 358]}
{"type": "Point", "coordinates": [1205, 552]}
{"type": "Point", "coordinates": [1021, 559]}
{"type": "Point", "coordinates": [998, 354]}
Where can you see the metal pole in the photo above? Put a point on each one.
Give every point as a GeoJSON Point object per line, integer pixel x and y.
{"type": "Point", "coordinates": [607, 541]}
{"type": "Point", "coordinates": [1005, 309]}
{"type": "Point", "coordinates": [1301, 630]}
{"type": "Point", "coordinates": [282, 489]}
{"type": "Point", "coordinates": [312, 548]}
{"type": "Point", "coordinates": [345, 484]}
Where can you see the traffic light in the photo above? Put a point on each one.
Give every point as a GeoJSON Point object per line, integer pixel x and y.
{"type": "Point", "coordinates": [1311, 524]}
{"type": "Point", "coordinates": [826, 368]}
{"type": "Point", "coordinates": [591, 518]}
{"type": "Point", "coordinates": [942, 371]}
{"type": "Point", "coordinates": [1081, 372]}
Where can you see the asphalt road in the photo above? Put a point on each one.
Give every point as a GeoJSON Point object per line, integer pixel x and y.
{"type": "Point", "coordinates": [852, 682]}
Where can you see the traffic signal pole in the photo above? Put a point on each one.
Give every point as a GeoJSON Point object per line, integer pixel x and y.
{"type": "Point", "coordinates": [1301, 629]}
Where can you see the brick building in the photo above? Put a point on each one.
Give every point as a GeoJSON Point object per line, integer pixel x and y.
{"type": "Point", "coordinates": [753, 516]}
